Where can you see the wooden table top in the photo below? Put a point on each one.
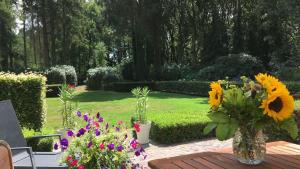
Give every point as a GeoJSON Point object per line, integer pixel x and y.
{"type": "Point", "coordinates": [280, 155]}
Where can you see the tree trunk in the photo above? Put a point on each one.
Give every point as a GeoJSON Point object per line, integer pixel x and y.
{"type": "Point", "coordinates": [24, 35]}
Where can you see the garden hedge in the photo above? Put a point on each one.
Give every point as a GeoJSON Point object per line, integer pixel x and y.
{"type": "Point", "coordinates": [199, 88]}
{"type": "Point", "coordinates": [27, 93]}
{"type": "Point", "coordinates": [97, 77]}
{"type": "Point", "coordinates": [128, 86]}
{"type": "Point", "coordinates": [169, 128]}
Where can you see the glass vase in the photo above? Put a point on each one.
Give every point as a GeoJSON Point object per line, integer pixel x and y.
{"type": "Point", "coordinates": [249, 146]}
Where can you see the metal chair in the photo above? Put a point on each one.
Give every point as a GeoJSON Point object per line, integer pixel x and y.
{"type": "Point", "coordinates": [23, 157]}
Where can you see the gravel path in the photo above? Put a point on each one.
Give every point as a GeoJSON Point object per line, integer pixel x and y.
{"type": "Point", "coordinates": [157, 151]}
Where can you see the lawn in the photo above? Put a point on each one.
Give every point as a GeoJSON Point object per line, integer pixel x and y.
{"type": "Point", "coordinates": [115, 106]}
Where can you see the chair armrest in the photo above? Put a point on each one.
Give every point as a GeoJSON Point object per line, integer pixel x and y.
{"type": "Point", "coordinates": [46, 136]}
{"type": "Point", "coordinates": [29, 150]}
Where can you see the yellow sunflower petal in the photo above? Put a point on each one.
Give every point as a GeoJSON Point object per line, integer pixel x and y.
{"type": "Point", "coordinates": [215, 95]}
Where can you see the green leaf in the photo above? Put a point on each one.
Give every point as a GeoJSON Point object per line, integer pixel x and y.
{"type": "Point", "coordinates": [290, 125]}
{"type": "Point", "coordinates": [209, 128]}
{"type": "Point", "coordinates": [233, 126]}
{"type": "Point", "coordinates": [222, 131]}
{"type": "Point", "coordinates": [218, 117]}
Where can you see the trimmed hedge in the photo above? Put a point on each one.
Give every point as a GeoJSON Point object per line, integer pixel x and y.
{"type": "Point", "coordinates": [60, 74]}
{"type": "Point", "coordinates": [97, 77]}
{"type": "Point", "coordinates": [27, 93]}
{"type": "Point", "coordinates": [199, 88]}
{"type": "Point", "coordinates": [128, 86]}
{"type": "Point", "coordinates": [169, 128]}
{"type": "Point", "coordinates": [40, 145]}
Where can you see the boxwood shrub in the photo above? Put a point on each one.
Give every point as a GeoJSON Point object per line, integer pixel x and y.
{"type": "Point", "coordinates": [60, 74]}
{"type": "Point", "coordinates": [199, 88]}
{"type": "Point", "coordinates": [40, 145]}
{"type": "Point", "coordinates": [97, 77]}
{"type": "Point", "coordinates": [168, 128]}
{"type": "Point", "coordinates": [27, 93]}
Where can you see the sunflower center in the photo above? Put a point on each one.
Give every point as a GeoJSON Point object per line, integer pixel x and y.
{"type": "Point", "coordinates": [276, 105]}
{"type": "Point", "coordinates": [216, 96]}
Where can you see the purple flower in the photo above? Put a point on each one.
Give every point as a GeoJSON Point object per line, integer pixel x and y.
{"type": "Point", "coordinates": [101, 119]}
{"type": "Point", "coordinates": [98, 115]}
{"type": "Point", "coordinates": [88, 126]}
{"type": "Point", "coordinates": [81, 132]}
{"type": "Point", "coordinates": [117, 129]}
{"type": "Point", "coordinates": [97, 132]}
{"type": "Point", "coordinates": [78, 113]}
{"type": "Point", "coordinates": [120, 148]}
{"type": "Point", "coordinates": [111, 146]}
{"type": "Point", "coordinates": [86, 117]}
{"type": "Point", "coordinates": [137, 153]}
{"type": "Point", "coordinates": [106, 126]}
{"type": "Point", "coordinates": [64, 143]}
{"type": "Point", "coordinates": [70, 133]}
{"type": "Point", "coordinates": [90, 144]}
{"type": "Point", "coordinates": [55, 146]}
{"type": "Point", "coordinates": [123, 166]}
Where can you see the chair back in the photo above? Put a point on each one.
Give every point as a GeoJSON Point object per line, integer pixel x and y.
{"type": "Point", "coordinates": [5, 156]}
{"type": "Point", "coordinates": [10, 130]}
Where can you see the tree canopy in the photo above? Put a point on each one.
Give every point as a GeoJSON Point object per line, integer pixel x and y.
{"type": "Point", "coordinates": [37, 34]}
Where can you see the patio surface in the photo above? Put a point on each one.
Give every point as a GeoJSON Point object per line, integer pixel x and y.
{"type": "Point", "coordinates": [157, 151]}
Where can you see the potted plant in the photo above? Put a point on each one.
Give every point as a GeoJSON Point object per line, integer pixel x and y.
{"type": "Point", "coordinates": [244, 111]}
{"type": "Point", "coordinates": [141, 125]}
{"type": "Point", "coordinates": [96, 144]}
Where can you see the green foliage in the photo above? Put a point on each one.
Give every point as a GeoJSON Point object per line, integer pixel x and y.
{"type": "Point", "coordinates": [171, 72]}
{"type": "Point", "coordinates": [291, 126]}
{"type": "Point", "coordinates": [27, 93]}
{"type": "Point", "coordinates": [97, 77]}
{"type": "Point", "coordinates": [61, 74]}
{"type": "Point", "coordinates": [126, 69]}
{"type": "Point", "coordinates": [40, 145]}
{"type": "Point", "coordinates": [232, 66]}
{"type": "Point", "coordinates": [289, 73]}
{"type": "Point", "coordinates": [141, 95]}
{"type": "Point", "coordinates": [200, 88]}
{"type": "Point", "coordinates": [66, 96]}
{"type": "Point", "coordinates": [176, 127]}
{"type": "Point", "coordinates": [128, 86]}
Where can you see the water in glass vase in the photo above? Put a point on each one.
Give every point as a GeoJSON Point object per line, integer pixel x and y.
{"type": "Point", "coordinates": [249, 146]}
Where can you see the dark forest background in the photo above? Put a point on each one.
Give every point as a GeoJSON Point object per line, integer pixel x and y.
{"type": "Point", "coordinates": [147, 34]}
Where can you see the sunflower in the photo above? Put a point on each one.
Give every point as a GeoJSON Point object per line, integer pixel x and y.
{"type": "Point", "coordinates": [215, 95]}
{"type": "Point", "coordinates": [271, 83]}
{"type": "Point", "coordinates": [261, 78]}
{"type": "Point", "coordinates": [279, 105]}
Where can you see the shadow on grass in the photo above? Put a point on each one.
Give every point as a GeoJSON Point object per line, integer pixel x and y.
{"type": "Point", "coordinates": [102, 96]}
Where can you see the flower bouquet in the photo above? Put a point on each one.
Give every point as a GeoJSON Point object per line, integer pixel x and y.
{"type": "Point", "coordinates": [97, 146]}
{"type": "Point", "coordinates": [243, 111]}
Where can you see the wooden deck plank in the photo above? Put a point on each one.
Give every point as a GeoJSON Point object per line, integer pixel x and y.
{"type": "Point", "coordinates": [207, 163]}
{"type": "Point", "coordinates": [280, 155]}
{"type": "Point", "coordinates": [182, 164]}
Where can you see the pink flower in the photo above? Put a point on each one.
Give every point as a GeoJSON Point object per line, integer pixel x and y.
{"type": "Point", "coordinates": [96, 124]}
{"type": "Point", "coordinates": [136, 126]}
{"type": "Point", "coordinates": [81, 166]}
{"type": "Point", "coordinates": [73, 163]}
{"type": "Point", "coordinates": [120, 122]}
{"type": "Point", "coordinates": [102, 146]}
{"type": "Point", "coordinates": [69, 158]}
